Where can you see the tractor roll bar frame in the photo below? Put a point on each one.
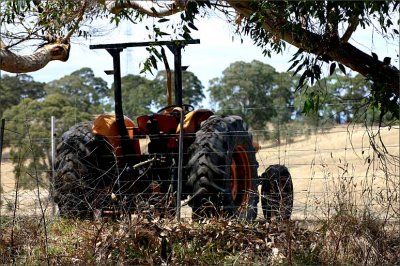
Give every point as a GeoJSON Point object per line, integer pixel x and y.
{"type": "Point", "coordinates": [175, 46]}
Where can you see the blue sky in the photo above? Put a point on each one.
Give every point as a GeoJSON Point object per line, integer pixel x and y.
{"type": "Point", "coordinates": [219, 48]}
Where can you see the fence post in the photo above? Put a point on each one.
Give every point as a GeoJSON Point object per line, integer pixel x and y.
{"type": "Point", "coordinates": [3, 122]}
{"type": "Point", "coordinates": [53, 156]}
{"type": "Point", "coordinates": [180, 165]}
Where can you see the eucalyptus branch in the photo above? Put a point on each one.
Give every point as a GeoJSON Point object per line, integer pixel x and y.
{"type": "Point", "coordinates": [332, 12]}
{"type": "Point", "coordinates": [28, 37]}
{"type": "Point", "coordinates": [115, 7]}
{"type": "Point", "coordinates": [79, 18]}
{"type": "Point", "coordinates": [14, 63]}
{"type": "Point", "coordinates": [353, 23]}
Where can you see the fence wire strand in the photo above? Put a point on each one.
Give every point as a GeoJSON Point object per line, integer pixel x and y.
{"type": "Point", "coordinates": [321, 173]}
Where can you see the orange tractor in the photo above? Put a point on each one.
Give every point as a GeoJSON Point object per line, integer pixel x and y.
{"type": "Point", "coordinates": [115, 166]}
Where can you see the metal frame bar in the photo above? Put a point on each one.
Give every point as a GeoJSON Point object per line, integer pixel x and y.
{"type": "Point", "coordinates": [141, 44]}
{"type": "Point", "coordinates": [127, 145]}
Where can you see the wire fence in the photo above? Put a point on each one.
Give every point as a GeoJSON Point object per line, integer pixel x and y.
{"type": "Point", "coordinates": [348, 168]}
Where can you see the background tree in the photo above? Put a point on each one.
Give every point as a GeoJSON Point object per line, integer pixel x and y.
{"type": "Point", "coordinates": [29, 122]}
{"type": "Point", "coordinates": [15, 88]}
{"type": "Point", "coordinates": [89, 92]}
{"type": "Point", "coordinates": [29, 127]}
{"type": "Point", "coordinates": [283, 103]}
{"type": "Point", "coordinates": [192, 89]}
{"type": "Point", "coordinates": [341, 98]}
{"type": "Point", "coordinates": [250, 90]}
{"type": "Point", "coordinates": [139, 95]}
{"type": "Point", "coordinates": [345, 96]}
{"type": "Point", "coordinates": [142, 96]}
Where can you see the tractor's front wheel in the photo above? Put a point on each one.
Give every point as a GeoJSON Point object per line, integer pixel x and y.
{"type": "Point", "coordinates": [223, 170]}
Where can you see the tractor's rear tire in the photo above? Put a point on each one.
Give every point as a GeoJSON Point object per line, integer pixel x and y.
{"type": "Point", "coordinates": [277, 193]}
{"type": "Point", "coordinates": [223, 170]}
{"type": "Point", "coordinates": [84, 172]}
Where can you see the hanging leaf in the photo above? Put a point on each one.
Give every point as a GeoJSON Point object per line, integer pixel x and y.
{"type": "Point", "coordinates": [191, 25]}
{"type": "Point", "coordinates": [342, 68]}
{"type": "Point", "coordinates": [332, 68]}
{"type": "Point", "coordinates": [299, 52]}
{"type": "Point", "coordinates": [301, 80]}
{"type": "Point", "coordinates": [308, 106]}
{"type": "Point", "coordinates": [317, 71]}
{"type": "Point", "coordinates": [153, 61]}
{"type": "Point", "coordinates": [293, 65]}
{"type": "Point", "coordinates": [386, 61]}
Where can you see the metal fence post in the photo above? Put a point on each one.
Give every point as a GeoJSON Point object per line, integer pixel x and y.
{"type": "Point", "coordinates": [180, 165]}
{"type": "Point", "coordinates": [53, 156]}
{"type": "Point", "coordinates": [3, 122]}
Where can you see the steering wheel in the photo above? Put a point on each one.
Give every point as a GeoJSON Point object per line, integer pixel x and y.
{"type": "Point", "coordinates": [186, 108]}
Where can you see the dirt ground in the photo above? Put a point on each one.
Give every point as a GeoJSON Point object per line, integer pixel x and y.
{"type": "Point", "coordinates": [338, 166]}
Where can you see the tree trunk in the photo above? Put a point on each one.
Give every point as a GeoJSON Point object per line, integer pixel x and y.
{"type": "Point", "coordinates": [14, 63]}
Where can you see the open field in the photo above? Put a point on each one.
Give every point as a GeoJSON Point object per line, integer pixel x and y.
{"type": "Point", "coordinates": [338, 166]}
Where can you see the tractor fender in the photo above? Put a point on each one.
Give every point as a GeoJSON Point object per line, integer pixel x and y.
{"type": "Point", "coordinates": [105, 125]}
{"type": "Point", "coordinates": [193, 120]}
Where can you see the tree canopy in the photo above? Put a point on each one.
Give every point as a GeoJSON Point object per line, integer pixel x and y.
{"type": "Point", "coordinates": [268, 100]}
{"type": "Point", "coordinates": [90, 93]}
{"type": "Point", "coordinates": [15, 88]}
{"type": "Point", "coordinates": [142, 96]}
{"type": "Point", "coordinates": [192, 89]}
{"type": "Point", "coordinates": [28, 121]}
{"type": "Point", "coordinates": [252, 90]}
{"type": "Point", "coordinates": [322, 31]}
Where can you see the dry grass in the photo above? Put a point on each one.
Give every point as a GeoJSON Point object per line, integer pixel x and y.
{"type": "Point", "coordinates": [142, 241]}
{"type": "Point", "coordinates": [346, 212]}
{"type": "Point", "coordinates": [339, 165]}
